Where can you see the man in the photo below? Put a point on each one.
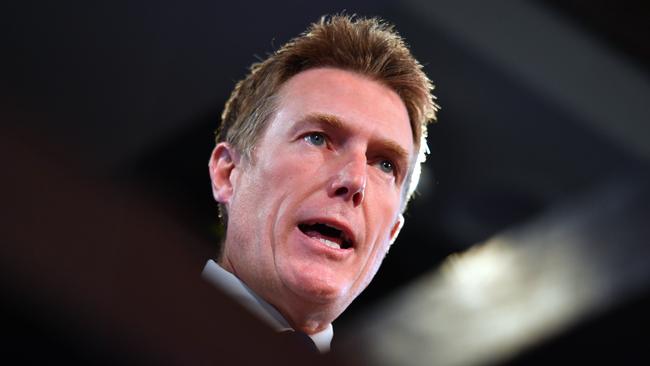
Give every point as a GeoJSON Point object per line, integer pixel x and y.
{"type": "Point", "coordinates": [317, 155]}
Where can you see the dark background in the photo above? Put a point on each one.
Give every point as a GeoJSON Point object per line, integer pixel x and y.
{"type": "Point", "coordinates": [541, 100]}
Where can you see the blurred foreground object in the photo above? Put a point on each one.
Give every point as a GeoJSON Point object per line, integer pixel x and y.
{"type": "Point", "coordinates": [92, 273]}
{"type": "Point", "coordinates": [572, 285]}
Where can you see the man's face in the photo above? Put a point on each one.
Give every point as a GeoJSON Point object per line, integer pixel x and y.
{"type": "Point", "coordinates": [313, 212]}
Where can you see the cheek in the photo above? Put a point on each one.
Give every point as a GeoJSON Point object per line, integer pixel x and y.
{"type": "Point", "coordinates": [383, 218]}
{"type": "Point", "coordinates": [383, 215]}
{"type": "Point", "coordinates": [374, 262]}
{"type": "Point", "coordinates": [286, 163]}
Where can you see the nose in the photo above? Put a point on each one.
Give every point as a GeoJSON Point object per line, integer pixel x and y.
{"type": "Point", "coordinates": [349, 182]}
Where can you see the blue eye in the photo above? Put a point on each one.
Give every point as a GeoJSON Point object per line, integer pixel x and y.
{"type": "Point", "coordinates": [316, 139]}
{"type": "Point", "coordinates": [386, 166]}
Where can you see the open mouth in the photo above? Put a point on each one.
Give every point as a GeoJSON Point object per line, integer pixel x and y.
{"type": "Point", "coordinates": [327, 234]}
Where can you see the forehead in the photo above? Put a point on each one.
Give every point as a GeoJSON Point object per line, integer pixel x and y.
{"type": "Point", "coordinates": [358, 101]}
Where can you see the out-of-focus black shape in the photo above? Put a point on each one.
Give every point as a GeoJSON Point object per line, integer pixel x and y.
{"type": "Point", "coordinates": [176, 171]}
{"type": "Point", "coordinates": [615, 337]}
{"type": "Point", "coordinates": [623, 25]}
{"type": "Point", "coordinates": [94, 274]}
{"type": "Point", "coordinates": [470, 217]}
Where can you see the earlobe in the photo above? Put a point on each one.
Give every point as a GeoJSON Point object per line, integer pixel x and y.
{"type": "Point", "coordinates": [396, 228]}
{"type": "Point", "coordinates": [223, 161]}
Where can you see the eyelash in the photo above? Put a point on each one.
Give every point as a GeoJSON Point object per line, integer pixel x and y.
{"type": "Point", "coordinates": [324, 139]}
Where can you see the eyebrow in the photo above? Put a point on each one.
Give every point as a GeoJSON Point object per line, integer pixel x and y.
{"type": "Point", "coordinates": [393, 148]}
{"type": "Point", "coordinates": [326, 119]}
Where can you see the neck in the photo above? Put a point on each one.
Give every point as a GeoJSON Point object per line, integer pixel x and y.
{"type": "Point", "coordinates": [301, 318]}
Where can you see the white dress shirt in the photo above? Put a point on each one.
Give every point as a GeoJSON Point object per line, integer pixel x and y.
{"type": "Point", "coordinates": [234, 287]}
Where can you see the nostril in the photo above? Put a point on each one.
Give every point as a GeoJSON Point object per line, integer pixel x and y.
{"type": "Point", "coordinates": [357, 198]}
{"type": "Point", "coordinates": [342, 191]}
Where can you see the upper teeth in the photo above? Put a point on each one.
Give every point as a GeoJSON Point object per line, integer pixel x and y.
{"type": "Point", "coordinates": [329, 243]}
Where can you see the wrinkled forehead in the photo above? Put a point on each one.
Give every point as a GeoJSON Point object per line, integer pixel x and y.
{"type": "Point", "coordinates": [351, 96]}
{"type": "Point", "coordinates": [414, 120]}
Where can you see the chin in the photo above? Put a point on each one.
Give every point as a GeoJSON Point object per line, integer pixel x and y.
{"type": "Point", "coordinates": [313, 286]}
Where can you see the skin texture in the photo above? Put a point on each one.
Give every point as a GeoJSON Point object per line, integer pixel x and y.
{"type": "Point", "coordinates": [325, 156]}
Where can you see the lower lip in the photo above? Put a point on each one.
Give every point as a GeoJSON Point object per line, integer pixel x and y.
{"type": "Point", "coordinates": [322, 248]}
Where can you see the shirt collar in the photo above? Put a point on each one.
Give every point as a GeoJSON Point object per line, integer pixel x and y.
{"type": "Point", "coordinates": [235, 288]}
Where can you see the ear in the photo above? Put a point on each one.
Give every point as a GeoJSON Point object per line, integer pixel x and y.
{"type": "Point", "coordinates": [396, 228]}
{"type": "Point", "coordinates": [223, 161]}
